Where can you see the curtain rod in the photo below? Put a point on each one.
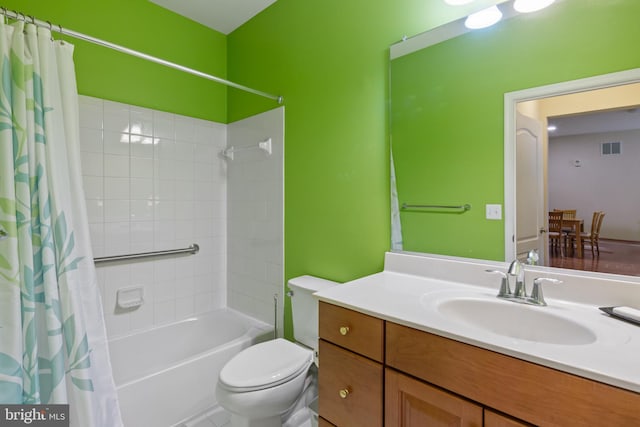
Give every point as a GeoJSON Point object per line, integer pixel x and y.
{"type": "Point", "coordinates": [65, 31]}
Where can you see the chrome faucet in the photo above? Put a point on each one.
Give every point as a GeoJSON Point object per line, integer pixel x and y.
{"type": "Point", "coordinates": [536, 293]}
{"type": "Point", "coordinates": [516, 270]}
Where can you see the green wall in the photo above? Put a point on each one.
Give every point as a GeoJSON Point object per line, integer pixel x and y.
{"type": "Point", "coordinates": [146, 27]}
{"type": "Point", "coordinates": [448, 109]}
{"type": "Point", "coordinates": [329, 59]}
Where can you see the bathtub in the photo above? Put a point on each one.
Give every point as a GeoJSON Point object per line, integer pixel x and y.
{"type": "Point", "coordinates": [167, 374]}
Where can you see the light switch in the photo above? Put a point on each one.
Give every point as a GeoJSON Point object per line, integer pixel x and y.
{"type": "Point", "coordinates": [494, 211]}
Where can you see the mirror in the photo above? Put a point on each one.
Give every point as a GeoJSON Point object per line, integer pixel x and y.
{"type": "Point", "coordinates": [450, 131]}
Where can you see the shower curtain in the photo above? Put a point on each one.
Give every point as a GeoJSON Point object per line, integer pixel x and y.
{"type": "Point", "coordinates": [53, 346]}
{"type": "Point", "coordinates": [396, 226]}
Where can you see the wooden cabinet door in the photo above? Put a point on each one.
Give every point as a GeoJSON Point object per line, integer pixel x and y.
{"type": "Point", "coordinates": [493, 419]}
{"type": "Point", "coordinates": [350, 388]}
{"type": "Point", "coordinates": [412, 403]}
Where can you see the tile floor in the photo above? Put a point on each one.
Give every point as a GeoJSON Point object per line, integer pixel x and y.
{"type": "Point", "coordinates": [218, 417]}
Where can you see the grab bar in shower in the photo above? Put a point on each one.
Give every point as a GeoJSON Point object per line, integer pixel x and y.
{"type": "Point", "coordinates": [464, 208]}
{"type": "Point", "coordinates": [193, 249]}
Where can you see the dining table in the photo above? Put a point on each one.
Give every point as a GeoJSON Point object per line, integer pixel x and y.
{"type": "Point", "coordinates": [577, 226]}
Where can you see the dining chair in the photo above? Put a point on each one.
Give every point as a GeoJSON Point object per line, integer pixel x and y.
{"type": "Point", "coordinates": [555, 233]}
{"type": "Point", "coordinates": [592, 237]}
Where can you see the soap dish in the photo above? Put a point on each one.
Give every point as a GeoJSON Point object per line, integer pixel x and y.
{"type": "Point", "coordinates": [610, 312]}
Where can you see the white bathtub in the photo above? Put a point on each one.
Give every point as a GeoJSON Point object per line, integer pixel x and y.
{"type": "Point", "coordinates": [169, 373]}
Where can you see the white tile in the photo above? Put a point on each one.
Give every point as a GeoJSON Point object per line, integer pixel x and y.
{"type": "Point", "coordinates": [90, 112]}
{"type": "Point", "coordinates": [185, 151]}
{"type": "Point", "coordinates": [185, 268]}
{"type": "Point", "coordinates": [116, 188]}
{"type": "Point", "coordinates": [91, 140]}
{"type": "Point", "coordinates": [185, 210]}
{"type": "Point", "coordinates": [142, 210]}
{"type": "Point", "coordinates": [185, 230]}
{"type": "Point", "coordinates": [116, 166]}
{"type": "Point", "coordinates": [164, 149]}
{"type": "Point", "coordinates": [184, 171]}
{"type": "Point", "coordinates": [185, 190]}
{"type": "Point", "coordinates": [141, 146]}
{"type": "Point", "coordinates": [165, 210]}
{"type": "Point", "coordinates": [141, 167]}
{"type": "Point", "coordinates": [142, 317]}
{"type": "Point", "coordinates": [164, 189]}
{"type": "Point", "coordinates": [93, 187]}
{"type": "Point", "coordinates": [164, 234]}
{"type": "Point", "coordinates": [142, 235]}
{"type": "Point", "coordinates": [116, 143]}
{"type": "Point", "coordinates": [164, 169]}
{"type": "Point", "coordinates": [116, 210]}
{"type": "Point", "coordinates": [204, 302]}
{"type": "Point", "coordinates": [203, 172]}
{"type": "Point", "coordinates": [141, 121]}
{"type": "Point", "coordinates": [185, 307]}
{"type": "Point", "coordinates": [142, 188]}
{"type": "Point", "coordinates": [92, 163]}
{"type": "Point", "coordinates": [184, 128]}
{"type": "Point", "coordinates": [164, 311]}
{"type": "Point", "coordinates": [142, 275]}
{"type": "Point", "coordinates": [117, 324]}
{"type": "Point", "coordinates": [96, 232]}
{"type": "Point", "coordinates": [95, 211]}
{"type": "Point", "coordinates": [116, 236]}
{"type": "Point", "coordinates": [164, 269]}
{"type": "Point", "coordinates": [164, 290]}
{"type": "Point", "coordinates": [164, 125]}
{"type": "Point", "coordinates": [116, 116]}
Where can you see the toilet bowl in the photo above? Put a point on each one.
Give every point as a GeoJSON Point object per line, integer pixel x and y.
{"type": "Point", "coordinates": [261, 385]}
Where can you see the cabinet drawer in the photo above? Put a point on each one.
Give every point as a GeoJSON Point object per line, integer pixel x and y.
{"type": "Point", "coordinates": [350, 388]}
{"type": "Point", "coordinates": [355, 331]}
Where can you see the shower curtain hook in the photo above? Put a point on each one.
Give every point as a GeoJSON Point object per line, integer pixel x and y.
{"type": "Point", "coordinates": [4, 14]}
{"type": "Point", "coordinates": [50, 29]}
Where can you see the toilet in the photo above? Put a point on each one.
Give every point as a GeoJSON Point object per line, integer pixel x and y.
{"type": "Point", "coordinates": [263, 385]}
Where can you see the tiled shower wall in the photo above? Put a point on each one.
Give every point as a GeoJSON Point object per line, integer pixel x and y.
{"type": "Point", "coordinates": [154, 181]}
{"type": "Point", "coordinates": [255, 216]}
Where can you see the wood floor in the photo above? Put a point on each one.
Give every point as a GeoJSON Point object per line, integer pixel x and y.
{"type": "Point", "coordinates": [616, 257]}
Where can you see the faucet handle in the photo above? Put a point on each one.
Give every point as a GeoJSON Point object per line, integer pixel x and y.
{"type": "Point", "coordinates": [536, 293]}
{"type": "Point", "coordinates": [504, 291]}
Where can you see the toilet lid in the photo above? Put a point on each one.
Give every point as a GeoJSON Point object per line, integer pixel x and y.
{"type": "Point", "coordinates": [265, 365]}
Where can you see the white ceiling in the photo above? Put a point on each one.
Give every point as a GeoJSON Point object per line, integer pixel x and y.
{"type": "Point", "coordinates": [596, 122]}
{"type": "Point", "coordinates": [221, 15]}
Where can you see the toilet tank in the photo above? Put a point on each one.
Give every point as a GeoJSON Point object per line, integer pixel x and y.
{"type": "Point", "coordinates": [305, 308]}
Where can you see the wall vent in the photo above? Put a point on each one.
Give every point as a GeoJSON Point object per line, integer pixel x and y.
{"type": "Point", "coordinates": [609, 148]}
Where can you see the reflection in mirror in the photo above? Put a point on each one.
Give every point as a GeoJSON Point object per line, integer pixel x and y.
{"type": "Point", "coordinates": [448, 112]}
{"type": "Point", "coordinates": [577, 165]}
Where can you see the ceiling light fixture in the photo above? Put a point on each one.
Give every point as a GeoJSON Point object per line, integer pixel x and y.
{"type": "Point", "coordinates": [526, 6]}
{"type": "Point", "coordinates": [457, 2]}
{"type": "Point", "coordinates": [552, 128]}
{"type": "Point", "coordinates": [483, 19]}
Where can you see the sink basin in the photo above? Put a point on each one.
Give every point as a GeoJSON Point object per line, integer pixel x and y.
{"type": "Point", "coordinates": [516, 321]}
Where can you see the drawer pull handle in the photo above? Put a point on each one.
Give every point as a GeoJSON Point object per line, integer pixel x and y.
{"type": "Point", "coordinates": [344, 330]}
{"type": "Point", "coordinates": [344, 393]}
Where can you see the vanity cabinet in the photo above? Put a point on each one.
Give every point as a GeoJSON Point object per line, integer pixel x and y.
{"type": "Point", "coordinates": [422, 379]}
{"type": "Point", "coordinates": [350, 380]}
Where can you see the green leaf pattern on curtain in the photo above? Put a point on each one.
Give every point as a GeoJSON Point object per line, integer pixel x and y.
{"type": "Point", "coordinates": [45, 352]}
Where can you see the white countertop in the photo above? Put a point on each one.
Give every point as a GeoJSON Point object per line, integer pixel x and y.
{"type": "Point", "coordinates": [412, 300]}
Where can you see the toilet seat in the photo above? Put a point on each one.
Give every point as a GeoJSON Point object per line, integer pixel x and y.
{"type": "Point", "coordinates": [265, 365]}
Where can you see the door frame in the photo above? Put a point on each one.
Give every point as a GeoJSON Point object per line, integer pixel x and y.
{"type": "Point", "coordinates": [511, 100]}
